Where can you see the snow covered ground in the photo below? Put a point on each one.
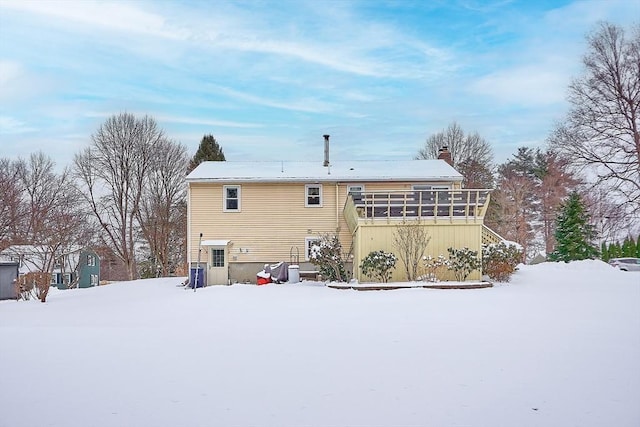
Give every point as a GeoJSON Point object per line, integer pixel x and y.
{"type": "Point", "coordinates": [559, 346]}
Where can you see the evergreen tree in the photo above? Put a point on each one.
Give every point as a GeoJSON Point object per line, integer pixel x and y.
{"type": "Point", "coordinates": [604, 253]}
{"type": "Point", "coordinates": [611, 250]}
{"type": "Point", "coordinates": [574, 233]}
{"type": "Point", "coordinates": [632, 246]}
{"type": "Point", "coordinates": [208, 150]}
{"type": "Point", "coordinates": [617, 250]}
{"type": "Point", "coordinates": [638, 247]}
{"type": "Point", "coordinates": [628, 247]}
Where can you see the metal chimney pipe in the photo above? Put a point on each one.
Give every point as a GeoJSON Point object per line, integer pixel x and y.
{"type": "Point", "coordinates": [326, 150]}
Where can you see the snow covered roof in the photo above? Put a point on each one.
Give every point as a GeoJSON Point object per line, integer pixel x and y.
{"type": "Point", "coordinates": [37, 250]}
{"type": "Point", "coordinates": [341, 171]}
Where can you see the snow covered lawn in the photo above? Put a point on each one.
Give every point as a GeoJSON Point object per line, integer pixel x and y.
{"type": "Point", "coordinates": [559, 346]}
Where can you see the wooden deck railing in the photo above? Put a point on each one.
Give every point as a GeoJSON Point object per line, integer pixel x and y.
{"type": "Point", "coordinates": [418, 204]}
{"type": "Point", "coordinates": [489, 236]}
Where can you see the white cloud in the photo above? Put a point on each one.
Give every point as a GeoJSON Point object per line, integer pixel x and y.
{"type": "Point", "coordinates": [526, 85]}
{"type": "Point", "coordinates": [9, 125]}
{"type": "Point", "coordinates": [206, 122]}
{"type": "Point", "coordinates": [579, 15]}
{"type": "Point", "coordinates": [309, 105]}
{"type": "Point", "coordinates": [9, 71]}
{"type": "Point", "coordinates": [118, 16]}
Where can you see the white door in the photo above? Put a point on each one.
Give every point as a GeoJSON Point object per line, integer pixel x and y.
{"type": "Point", "coordinates": [218, 266]}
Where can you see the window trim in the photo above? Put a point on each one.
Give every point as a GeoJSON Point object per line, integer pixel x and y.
{"type": "Point", "coordinates": [307, 246]}
{"type": "Point", "coordinates": [95, 282]}
{"type": "Point", "coordinates": [225, 198]}
{"type": "Point", "coordinates": [306, 195]}
{"type": "Point", "coordinates": [427, 187]}
{"type": "Point", "coordinates": [214, 264]}
{"type": "Point", "coordinates": [91, 260]}
{"type": "Point", "coordinates": [349, 186]}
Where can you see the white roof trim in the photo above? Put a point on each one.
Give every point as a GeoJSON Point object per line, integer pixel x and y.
{"type": "Point", "coordinates": [215, 242]}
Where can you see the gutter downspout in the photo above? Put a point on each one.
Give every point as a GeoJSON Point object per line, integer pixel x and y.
{"type": "Point", "coordinates": [189, 231]}
{"type": "Point", "coordinates": [337, 209]}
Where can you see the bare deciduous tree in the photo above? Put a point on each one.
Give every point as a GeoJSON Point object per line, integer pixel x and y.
{"type": "Point", "coordinates": [514, 198]}
{"type": "Point", "coordinates": [112, 172]}
{"type": "Point", "coordinates": [463, 147]}
{"type": "Point", "coordinates": [35, 283]}
{"type": "Point", "coordinates": [12, 208]}
{"type": "Point", "coordinates": [602, 129]}
{"type": "Point", "coordinates": [475, 174]}
{"type": "Point", "coordinates": [411, 239]}
{"type": "Point", "coordinates": [531, 187]}
{"type": "Point", "coordinates": [160, 214]}
{"type": "Point", "coordinates": [609, 220]}
{"type": "Point", "coordinates": [54, 222]}
{"type": "Point", "coordinates": [555, 184]}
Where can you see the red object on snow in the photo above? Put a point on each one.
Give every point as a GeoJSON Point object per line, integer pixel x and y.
{"type": "Point", "coordinates": [263, 280]}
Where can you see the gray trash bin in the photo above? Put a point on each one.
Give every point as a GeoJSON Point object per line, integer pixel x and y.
{"type": "Point", "coordinates": [294, 273]}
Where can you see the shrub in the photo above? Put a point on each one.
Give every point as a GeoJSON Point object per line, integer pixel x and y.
{"type": "Point", "coordinates": [462, 262]}
{"type": "Point", "coordinates": [327, 255]}
{"type": "Point", "coordinates": [433, 267]}
{"type": "Point", "coordinates": [379, 264]}
{"type": "Point", "coordinates": [34, 284]}
{"type": "Point", "coordinates": [411, 240]}
{"type": "Point", "coordinates": [499, 261]}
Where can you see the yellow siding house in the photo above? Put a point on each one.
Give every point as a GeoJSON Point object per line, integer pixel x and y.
{"type": "Point", "coordinates": [242, 215]}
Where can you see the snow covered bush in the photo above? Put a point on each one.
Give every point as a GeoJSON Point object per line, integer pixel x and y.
{"type": "Point", "coordinates": [379, 264]}
{"type": "Point", "coordinates": [433, 267]}
{"type": "Point", "coordinates": [327, 255]}
{"type": "Point", "coordinates": [462, 262]}
{"type": "Point", "coordinates": [499, 261]}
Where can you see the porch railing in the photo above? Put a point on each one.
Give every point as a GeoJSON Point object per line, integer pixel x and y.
{"type": "Point", "coordinates": [418, 204]}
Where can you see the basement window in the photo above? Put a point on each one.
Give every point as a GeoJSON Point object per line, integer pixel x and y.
{"type": "Point", "coordinates": [310, 242]}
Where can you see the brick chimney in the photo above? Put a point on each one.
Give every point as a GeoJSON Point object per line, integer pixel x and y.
{"type": "Point", "coordinates": [445, 155]}
{"type": "Point", "coordinates": [326, 150]}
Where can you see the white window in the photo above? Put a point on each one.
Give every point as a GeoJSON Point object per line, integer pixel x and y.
{"type": "Point", "coordinates": [67, 278]}
{"type": "Point", "coordinates": [355, 189]}
{"type": "Point", "coordinates": [217, 257]}
{"type": "Point", "coordinates": [426, 194]}
{"type": "Point", "coordinates": [313, 195]}
{"type": "Point", "coordinates": [54, 279]}
{"type": "Point", "coordinates": [231, 198]}
{"type": "Point", "coordinates": [94, 280]}
{"type": "Point", "coordinates": [91, 260]}
{"type": "Point", "coordinates": [421, 187]}
{"type": "Point", "coordinates": [309, 242]}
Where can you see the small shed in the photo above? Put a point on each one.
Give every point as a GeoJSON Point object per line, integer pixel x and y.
{"type": "Point", "coordinates": [8, 278]}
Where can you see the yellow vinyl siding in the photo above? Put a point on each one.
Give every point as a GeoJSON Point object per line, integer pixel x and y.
{"type": "Point", "coordinates": [273, 219]}
{"type": "Point", "coordinates": [443, 236]}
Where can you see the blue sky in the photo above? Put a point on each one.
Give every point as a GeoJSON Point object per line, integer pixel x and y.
{"type": "Point", "coordinates": [269, 78]}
